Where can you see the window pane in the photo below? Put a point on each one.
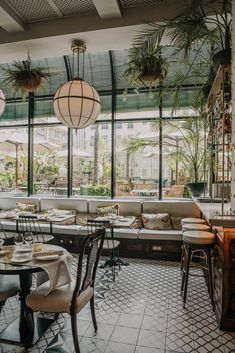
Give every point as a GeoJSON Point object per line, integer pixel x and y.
{"type": "Point", "coordinates": [14, 160]}
{"type": "Point", "coordinates": [92, 161]}
{"type": "Point", "coordinates": [50, 160]}
{"type": "Point", "coordinates": [183, 155]}
{"type": "Point", "coordinates": [15, 113]}
{"type": "Point", "coordinates": [137, 167]}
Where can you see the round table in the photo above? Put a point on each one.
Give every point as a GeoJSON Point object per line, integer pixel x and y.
{"type": "Point", "coordinates": [18, 330]}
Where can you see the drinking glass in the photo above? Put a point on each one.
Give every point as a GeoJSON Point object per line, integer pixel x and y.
{"type": "Point", "coordinates": [29, 239]}
{"type": "Point", "coordinates": [19, 240]}
{"type": "Point", "coordinates": [1, 242]}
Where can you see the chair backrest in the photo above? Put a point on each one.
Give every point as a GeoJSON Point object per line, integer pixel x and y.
{"type": "Point", "coordinates": [30, 224]}
{"type": "Point", "coordinates": [92, 245]}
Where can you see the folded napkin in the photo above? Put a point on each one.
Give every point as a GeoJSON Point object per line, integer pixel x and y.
{"type": "Point", "coordinates": [48, 253]}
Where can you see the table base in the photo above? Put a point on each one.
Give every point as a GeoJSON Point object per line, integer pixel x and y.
{"type": "Point", "coordinates": [11, 333]}
{"type": "Point", "coordinates": [114, 261]}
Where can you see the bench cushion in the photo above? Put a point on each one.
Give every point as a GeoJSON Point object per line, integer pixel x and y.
{"type": "Point", "coordinates": [7, 203]}
{"type": "Point", "coordinates": [126, 208]}
{"type": "Point", "coordinates": [80, 205]}
{"type": "Point", "coordinates": [160, 234]}
{"type": "Point", "coordinates": [175, 208]}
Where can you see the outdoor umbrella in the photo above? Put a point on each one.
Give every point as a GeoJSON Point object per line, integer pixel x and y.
{"type": "Point", "coordinates": [76, 153]}
{"type": "Point", "coordinates": [16, 141]}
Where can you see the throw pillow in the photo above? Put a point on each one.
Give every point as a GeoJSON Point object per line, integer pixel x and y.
{"type": "Point", "coordinates": [105, 211]}
{"type": "Point", "coordinates": [156, 221]}
{"type": "Point", "coordinates": [176, 223]}
{"type": "Point", "coordinates": [26, 207]}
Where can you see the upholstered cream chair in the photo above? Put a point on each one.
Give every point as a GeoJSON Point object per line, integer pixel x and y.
{"type": "Point", "coordinates": [70, 298]}
{"type": "Point", "coordinates": [9, 287]}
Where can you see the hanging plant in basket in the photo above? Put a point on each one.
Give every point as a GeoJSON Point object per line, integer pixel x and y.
{"type": "Point", "coordinates": [146, 64]}
{"type": "Point", "coordinates": [24, 77]}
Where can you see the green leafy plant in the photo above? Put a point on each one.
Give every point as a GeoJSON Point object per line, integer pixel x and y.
{"type": "Point", "coordinates": [24, 77]}
{"type": "Point", "coordinates": [201, 32]}
{"type": "Point", "coordinates": [190, 152]}
{"type": "Point", "coordinates": [146, 63]}
{"type": "Point", "coordinates": [95, 190]}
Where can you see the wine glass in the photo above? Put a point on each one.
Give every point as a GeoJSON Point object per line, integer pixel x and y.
{"type": "Point", "coordinates": [19, 240]}
{"type": "Point", "coordinates": [29, 239]}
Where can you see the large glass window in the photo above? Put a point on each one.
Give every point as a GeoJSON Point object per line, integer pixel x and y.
{"type": "Point", "coordinates": [137, 162]}
{"type": "Point", "coordinates": [14, 160]}
{"type": "Point", "coordinates": [50, 160]}
{"type": "Point", "coordinates": [92, 161]}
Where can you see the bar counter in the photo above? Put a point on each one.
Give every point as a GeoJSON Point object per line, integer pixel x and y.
{"type": "Point", "coordinates": [211, 211]}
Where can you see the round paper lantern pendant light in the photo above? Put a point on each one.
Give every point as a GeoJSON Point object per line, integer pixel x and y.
{"type": "Point", "coordinates": [77, 103]}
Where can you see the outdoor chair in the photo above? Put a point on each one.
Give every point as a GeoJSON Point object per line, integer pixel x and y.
{"type": "Point", "coordinates": [175, 191]}
{"type": "Point", "coordinates": [70, 298]}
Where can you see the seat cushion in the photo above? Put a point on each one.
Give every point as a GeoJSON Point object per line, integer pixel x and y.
{"type": "Point", "coordinates": [66, 229]}
{"type": "Point", "coordinates": [126, 233]}
{"type": "Point", "coordinates": [160, 234]}
{"type": "Point", "coordinates": [198, 237]}
{"type": "Point", "coordinates": [192, 220]}
{"type": "Point", "coordinates": [9, 286]}
{"type": "Point", "coordinates": [59, 300]}
{"type": "Point", "coordinates": [196, 226]}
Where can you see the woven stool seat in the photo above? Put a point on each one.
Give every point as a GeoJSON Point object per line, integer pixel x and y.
{"type": "Point", "coordinates": [198, 237]}
{"type": "Point", "coordinates": [192, 220]}
{"type": "Point", "coordinates": [192, 226]}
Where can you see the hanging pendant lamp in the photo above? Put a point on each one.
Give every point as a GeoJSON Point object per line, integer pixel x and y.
{"type": "Point", "coordinates": [77, 103]}
{"type": "Point", "coordinates": [2, 102]}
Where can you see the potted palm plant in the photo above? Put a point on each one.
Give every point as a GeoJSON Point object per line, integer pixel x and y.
{"type": "Point", "coordinates": [201, 26]}
{"type": "Point", "coordinates": [25, 77]}
{"type": "Point", "coordinates": [190, 153]}
{"type": "Point", "coordinates": [146, 64]}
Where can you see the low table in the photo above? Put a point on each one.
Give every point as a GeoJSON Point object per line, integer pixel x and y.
{"type": "Point", "coordinates": [123, 222]}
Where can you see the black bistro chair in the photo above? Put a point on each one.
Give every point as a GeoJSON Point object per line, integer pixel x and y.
{"type": "Point", "coordinates": [72, 297]}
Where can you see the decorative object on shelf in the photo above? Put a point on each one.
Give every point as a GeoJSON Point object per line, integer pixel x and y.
{"type": "Point", "coordinates": [2, 102]}
{"type": "Point", "coordinates": [25, 77]}
{"type": "Point", "coordinates": [77, 103]}
{"type": "Point", "coordinates": [146, 64]}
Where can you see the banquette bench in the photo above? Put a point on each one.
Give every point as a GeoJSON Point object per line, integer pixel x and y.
{"type": "Point", "coordinates": [135, 242]}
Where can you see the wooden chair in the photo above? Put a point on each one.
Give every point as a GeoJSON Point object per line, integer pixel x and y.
{"type": "Point", "coordinates": [31, 224]}
{"type": "Point", "coordinates": [175, 191]}
{"type": "Point", "coordinates": [70, 298]}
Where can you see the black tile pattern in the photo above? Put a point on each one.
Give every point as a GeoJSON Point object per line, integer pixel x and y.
{"type": "Point", "coordinates": [140, 313]}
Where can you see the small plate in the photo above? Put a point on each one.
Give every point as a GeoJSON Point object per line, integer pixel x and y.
{"type": "Point", "coordinates": [47, 257]}
{"type": "Point", "coordinates": [20, 260]}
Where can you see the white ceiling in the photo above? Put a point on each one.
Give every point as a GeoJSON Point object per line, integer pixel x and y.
{"type": "Point", "coordinates": [47, 27]}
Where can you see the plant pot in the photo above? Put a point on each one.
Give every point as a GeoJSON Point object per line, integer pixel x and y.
{"type": "Point", "coordinates": [157, 72]}
{"type": "Point", "coordinates": [196, 189]}
{"type": "Point", "coordinates": [29, 81]}
{"type": "Point", "coordinates": [223, 57]}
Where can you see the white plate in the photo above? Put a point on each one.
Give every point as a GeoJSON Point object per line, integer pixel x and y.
{"type": "Point", "coordinates": [47, 257]}
{"type": "Point", "coordinates": [20, 260]}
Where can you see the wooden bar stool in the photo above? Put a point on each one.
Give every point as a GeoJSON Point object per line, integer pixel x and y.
{"type": "Point", "coordinates": [191, 226]}
{"type": "Point", "coordinates": [192, 220]}
{"type": "Point", "coordinates": [197, 241]}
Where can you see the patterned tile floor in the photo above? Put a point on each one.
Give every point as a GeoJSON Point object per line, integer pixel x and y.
{"type": "Point", "coordinates": [140, 313]}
